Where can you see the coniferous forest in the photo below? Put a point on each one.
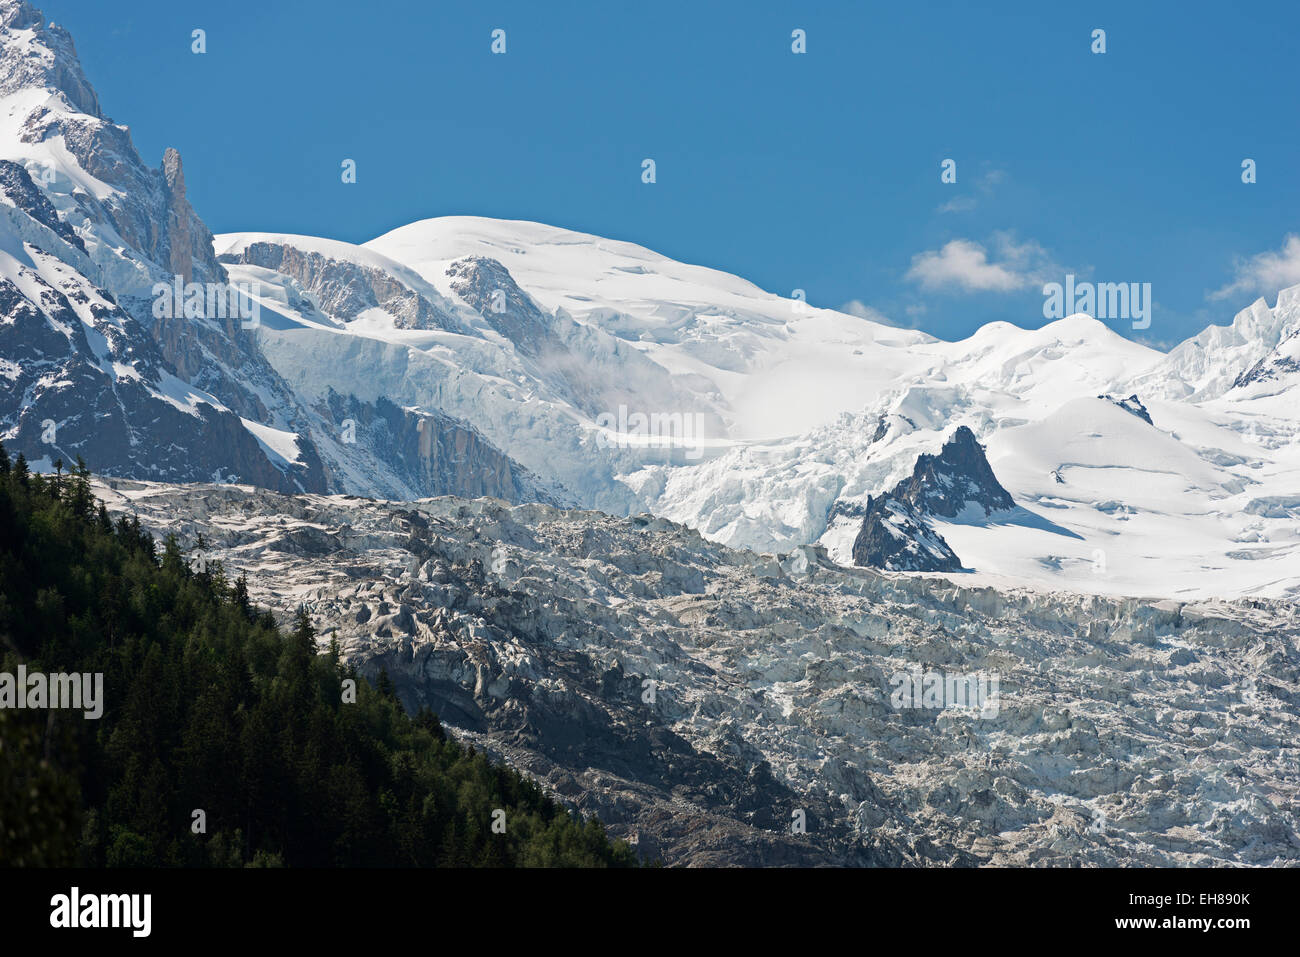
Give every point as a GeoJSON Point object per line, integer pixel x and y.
{"type": "Point", "coordinates": [209, 707]}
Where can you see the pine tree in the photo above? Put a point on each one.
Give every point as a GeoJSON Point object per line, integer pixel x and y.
{"type": "Point", "coordinates": [304, 635]}
{"type": "Point", "coordinates": [80, 498]}
{"type": "Point", "coordinates": [240, 597]}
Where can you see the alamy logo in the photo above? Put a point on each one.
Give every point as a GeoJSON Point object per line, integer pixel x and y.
{"type": "Point", "coordinates": [1104, 300]}
{"type": "Point", "coordinates": [208, 300]}
{"type": "Point", "coordinates": [653, 430]}
{"type": "Point", "coordinates": [36, 690]}
{"type": "Point", "coordinates": [74, 909]}
{"type": "Point", "coordinates": [976, 693]}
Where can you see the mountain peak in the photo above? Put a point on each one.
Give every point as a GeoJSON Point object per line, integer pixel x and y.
{"type": "Point", "coordinates": [19, 15]}
{"type": "Point", "coordinates": [1079, 327]}
{"type": "Point", "coordinates": [896, 530]}
{"type": "Point", "coordinates": [37, 55]}
{"type": "Point", "coordinates": [959, 476]}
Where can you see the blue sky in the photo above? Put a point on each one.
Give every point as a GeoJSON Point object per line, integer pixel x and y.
{"type": "Point", "coordinates": [818, 171]}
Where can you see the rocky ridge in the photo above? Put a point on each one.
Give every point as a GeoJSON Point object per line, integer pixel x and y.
{"type": "Point", "coordinates": [896, 529]}
{"type": "Point", "coordinates": [90, 365]}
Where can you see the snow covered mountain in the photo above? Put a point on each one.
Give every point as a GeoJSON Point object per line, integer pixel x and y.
{"type": "Point", "coordinates": [471, 356]}
{"type": "Point", "coordinates": [803, 414]}
{"type": "Point", "coordinates": [99, 359]}
{"type": "Point", "coordinates": [558, 338]}
{"type": "Point", "coordinates": [767, 515]}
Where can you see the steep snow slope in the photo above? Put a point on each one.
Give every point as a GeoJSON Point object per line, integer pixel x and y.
{"type": "Point", "coordinates": [85, 230]}
{"type": "Point", "coordinates": [1208, 365]}
{"type": "Point", "coordinates": [528, 402]}
{"type": "Point", "coordinates": [134, 393]}
{"type": "Point", "coordinates": [1123, 505]}
{"type": "Point", "coordinates": [780, 367]}
{"type": "Point", "coordinates": [1001, 377]}
{"type": "Point", "coordinates": [547, 374]}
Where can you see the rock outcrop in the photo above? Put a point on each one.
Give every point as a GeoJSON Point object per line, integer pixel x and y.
{"type": "Point", "coordinates": [896, 532]}
{"type": "Point", "coordinates": [345, 290]}
{"type": "Point", "coordinates": [436, 454]}
{"type": "Point", "coordinates": [1132, 405]}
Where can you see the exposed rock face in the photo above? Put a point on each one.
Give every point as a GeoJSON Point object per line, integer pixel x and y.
{"type": "Point", "coordinates": [896, 534]}
{"type": "Point", "coordinates": [436, 454]}
{"type": "Point", "coordinates": [696, 697]}
{"type": "Point", "coordinates": [190, 240]}
{"type": "Point", "coordinates": [17, 186]}
{"type": "Point", "coordinates": [488, 287]}
{"type": "Point", "coordinates": [344, 290]}
{"type": "Point", "coordinates": [62, 397]}
{"type": "Point", "coordinates": [129, 402]}
{"type": "Point", "coordinates": [58, 67]}
{"type": "Point", "coordinates": [1281, 362]}
{"type": "Point", "coordinates": [952, 481]}
{"type": "Point", "coordinates": [147, 208]}
{"type": "Point", "coordinates": [1132, 405]}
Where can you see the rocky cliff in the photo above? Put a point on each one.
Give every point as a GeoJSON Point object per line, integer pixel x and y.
{"type": "Point", "coordinates": [896, 532]}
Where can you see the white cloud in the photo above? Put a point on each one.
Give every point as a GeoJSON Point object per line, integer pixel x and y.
{"type": "Point", "coordinates": [966, 265]}
{"type": "Point", "coordinates": [1266, 272]}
